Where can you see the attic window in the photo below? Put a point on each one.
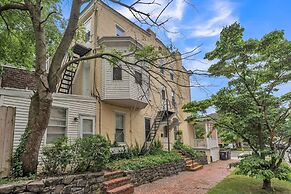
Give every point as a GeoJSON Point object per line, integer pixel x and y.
{"type": "Point", "coordinates": [117, 73]}
{"type": "Point", "coordinates": [119, 31]}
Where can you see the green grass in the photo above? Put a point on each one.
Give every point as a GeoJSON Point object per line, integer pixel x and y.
{"type": "Point", "coordinates": [15, 180]}
{"type": "Point", "coordinates": [238, 184]}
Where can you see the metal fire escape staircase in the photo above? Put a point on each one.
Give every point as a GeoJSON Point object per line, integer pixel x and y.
{"type": "Point", "coordinates": [70, 72]}
{"type": "Point", "coordinates": [153, 131]}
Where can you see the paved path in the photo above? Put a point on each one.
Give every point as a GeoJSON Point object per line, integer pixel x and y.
{"type": "Point", "coordinates": [188, 182]}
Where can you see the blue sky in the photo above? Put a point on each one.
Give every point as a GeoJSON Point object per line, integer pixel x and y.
{"type": "Point", "coordinates": [199, 22]}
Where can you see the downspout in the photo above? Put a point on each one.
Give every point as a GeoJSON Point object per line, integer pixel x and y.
{"type": "Point", "coordinates": [95, 64]}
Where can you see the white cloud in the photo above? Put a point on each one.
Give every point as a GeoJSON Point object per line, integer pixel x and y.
{"type": "Point", "coordinates": [222, 15]}
{"type": "Point", "coordinates": [174, 11]}
{"type": "Point", "coordinates": [202, 64]}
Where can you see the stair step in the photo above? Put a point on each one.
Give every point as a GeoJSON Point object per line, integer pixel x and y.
{"type": "Point", "coordinates": [125, 189]}
{"type": "Point", "coordinates": [195, 168]}
{"type": "Point", "coordinates": [113, 175]}
{"type": "Point", "coordinates": [114, 183]}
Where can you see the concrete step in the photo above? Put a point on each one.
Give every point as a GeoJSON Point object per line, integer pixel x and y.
{"type": "Point", "coordinates": [195, 168]}
{"type": "Point", "coordinates": [112, 175]}
{"type": "Point", "coordinates": [125, 189]}
{"type": "Point", "coordinates": [114, 183]}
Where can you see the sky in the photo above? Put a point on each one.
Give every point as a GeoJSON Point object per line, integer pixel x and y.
{"type": "Point", "coordinates": [197, 23]}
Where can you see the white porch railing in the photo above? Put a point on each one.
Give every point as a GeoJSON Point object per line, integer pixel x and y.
{"type": "Point", "coordinates": [207, 143]}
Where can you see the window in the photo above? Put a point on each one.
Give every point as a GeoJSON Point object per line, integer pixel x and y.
{"type": "Point", "coordinates": [119, 131]}
{"type": "Point", "coordinates": [117, 73]}
{"type": "Point", "coordinates": [147, 126]}
{"type": "Point", "coordinates": [87, 36]}
{"type": "Point", "coordinates": [119, 31]}
{"type": "Point", "coordinates": [163, 94]}
{"type": "Point", "coordinates": [172, 75]}
{"type": "Point", "coordinates": [175, 133]}
{"type": "Point", "coordinates": [162, 70]}
{"type": "Point", "coordinates": [57, 125]}
{"type": "Point", "coordinates": [165, 132]}
{"type": "Point", "coordinates": [173, 98]}
{"type": "Point", "coordinates": [87, 126]}
{"type": "Point", "coordinates": [138, 77]}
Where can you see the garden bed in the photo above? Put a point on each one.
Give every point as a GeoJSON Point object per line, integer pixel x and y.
{"type": "Point", "coordinates": [149, 168]}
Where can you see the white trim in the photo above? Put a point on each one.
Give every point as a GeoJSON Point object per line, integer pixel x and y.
{"type": "Point", "coordinates": [1, 100]}
{"type": "Point", "coordinates": [81, 124]}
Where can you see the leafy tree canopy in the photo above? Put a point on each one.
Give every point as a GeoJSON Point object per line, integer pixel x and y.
{"type": "Point", "coordinates": [249, 105]}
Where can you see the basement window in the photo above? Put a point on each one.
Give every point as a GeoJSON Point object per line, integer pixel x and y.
{"type": "Point", "coordinates": [117, 73]}
{"type": "Point", "coordinates": [57, 124]}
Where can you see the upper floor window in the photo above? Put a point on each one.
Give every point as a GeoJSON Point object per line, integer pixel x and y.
{"type": "Point", "coordinates": [57, 124]}
{"type": "Point", "coordinates": [173, 98]}
{"type": "Point", "coordinates": [119, 31]}
{"type": "Point", "coordinates": [163, 94]}
{"type": "Point", "coordinates": [162, 70]}
{"type": "Point", "coordinates": [172, 75]}
{"type": "Point", "coordinates": [138, 77]}
{"type": "Point", "coordinates": [87, 30]}
{"type": "Point", "coordinates": [87, 36]}
{"type": "Point", "coordinates": [117, 73]}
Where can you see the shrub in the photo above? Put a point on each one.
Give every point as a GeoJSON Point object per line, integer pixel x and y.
{"type": "Point", "coordinates": [187, 150]}
{"type": "Point", "coordinates": [255, 167]}
{"type": "Point", "coordinates": [90, 153]}
{"type": "Point", "coordinates": [57, 157]}
{"type": "Point", "coordinates": [156, 148]}
{"type": "Point", "coordinates": [144, 161]}
{"type": "Point", "coordinates": [128, 152]}
{"type": "Point", "coordinates": [86, 154]}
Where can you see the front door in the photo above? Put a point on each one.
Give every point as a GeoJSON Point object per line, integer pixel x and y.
{"type": "Point", "coordinates": [147, 127]}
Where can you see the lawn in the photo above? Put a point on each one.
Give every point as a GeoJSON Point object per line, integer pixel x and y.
{"type": "Point", "coordinates": [237, 184]}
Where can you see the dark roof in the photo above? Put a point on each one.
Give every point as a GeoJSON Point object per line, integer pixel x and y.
{"type": "Point", "coordinates": [13, 77]}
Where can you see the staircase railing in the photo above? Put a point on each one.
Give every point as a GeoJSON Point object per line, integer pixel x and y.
{"type": "Point", "coordinates": [153, 131]}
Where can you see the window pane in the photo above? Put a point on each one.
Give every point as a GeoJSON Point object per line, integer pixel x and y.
{"type": "Point", "coordinates": [165, 131]}
{"type": "Point", "coordinates": [51, 138]}
{"type": "Point", "coordinates": [119, 121]}
{"type": "Point", "coordinates": [87, 36]}
{"type": "Point", "coordinates": [163, 95]}
{"type": "Point", "coordinates": [119, 135]}
{"type": "Point", "coordinates": [57, 112]}
{"type": "Point", "coordinates": [138, 77]}
{"type": "Point", "coordinates": [147, 123]}
{"type": "Point", "coordinates": [117, 73]}
{"type": "Point", "coordinates": [88, 126]}
{"type": "Point", "coordinates": [171, 75]}
{"type": "Point", "coordinates": [119, 31]}
{"type": "Point", "coordinates": [54, 130]}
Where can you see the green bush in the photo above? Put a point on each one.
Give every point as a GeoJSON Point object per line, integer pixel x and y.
{"type": "Point", "coordinates": [57, 157]}
{"type": "Point", "coordinates": [156, 148]}
{"type": "Point", "coordinates": [253, 166]}
{"type": "Point", "coordinates": [187, 150]}
{"type": "Point", "coordinates": [144, 161]}
{"type": "Point", "coordinates": [90, 153]}
{"type": "Point", "coordinates": [86, 154]}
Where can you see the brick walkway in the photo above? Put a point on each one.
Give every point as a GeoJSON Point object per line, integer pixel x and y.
{"type": "Point", "coordinates": [188, 182]}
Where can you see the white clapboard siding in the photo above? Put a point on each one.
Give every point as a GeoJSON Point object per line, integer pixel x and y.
{"type": "Point", "coordinates": [76, 106]}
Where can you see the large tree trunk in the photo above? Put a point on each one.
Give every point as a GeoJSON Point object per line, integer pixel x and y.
{"type": "Point", "coordinates": [267, 184]}
{"type": "Point", "coordinates": [39, 113]}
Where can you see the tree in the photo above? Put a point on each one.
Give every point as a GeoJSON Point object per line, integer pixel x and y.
{"type": "Point", "coordinates": [249, 105]}
{"type": "Point", "coordinates": [39, 26]}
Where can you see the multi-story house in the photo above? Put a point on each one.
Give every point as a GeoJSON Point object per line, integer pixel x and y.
{"type": "Point", "coordinates": [95, 97]}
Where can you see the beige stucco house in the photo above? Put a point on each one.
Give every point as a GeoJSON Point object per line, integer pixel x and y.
{"type": "Point", "coordinates": [126, 110]}
{"type": "Point", "coordinates": [95, 97]}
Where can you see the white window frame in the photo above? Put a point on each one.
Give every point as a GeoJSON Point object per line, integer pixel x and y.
{"type": "Point", "coordinates": [81, 124]}
{"type": "Point", "coordinates": [66, 128]}
{"type": "Point", "coordinates": [123, 114]}
{"type": "Point", "coordinates": [120, 28]}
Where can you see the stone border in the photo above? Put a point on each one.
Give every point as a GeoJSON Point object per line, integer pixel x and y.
{"type": "Point", "coordinates": [76, 184]}
{"type": "Point", "coordinates": [150, 174]}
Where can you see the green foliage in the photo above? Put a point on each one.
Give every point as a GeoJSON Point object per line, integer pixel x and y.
{"type": "Point", "coordinates": [85, 154]}
{"type": "Point", "coordinates": [249, 106]}
{"type": "Point", "coordinates": [156, 148]}
{"type": "Point", "coordinates": [187, 150]}
{"type": "Point", "coordinates": [90, 153]}
{"type": "Point", "coordinates": [57, 157]}
{"type": "Point", "coordinates": [146, 53]}
{"type": "Point", "coordinates": [200, 132]}
{"type": "Point", "coordinates": [144, 161]}
{"type": "Point", "coordinates": [17, 170]}
{"type": "Point", "coordinates": [256, 167]}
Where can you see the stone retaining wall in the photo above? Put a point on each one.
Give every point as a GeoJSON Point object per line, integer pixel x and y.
{"type": "Point", "coordinates": [147, 175]}
{"type": "Point", "coordinates": [201, 160]}
{"type": "Point", "coordinates": [76, 184]}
